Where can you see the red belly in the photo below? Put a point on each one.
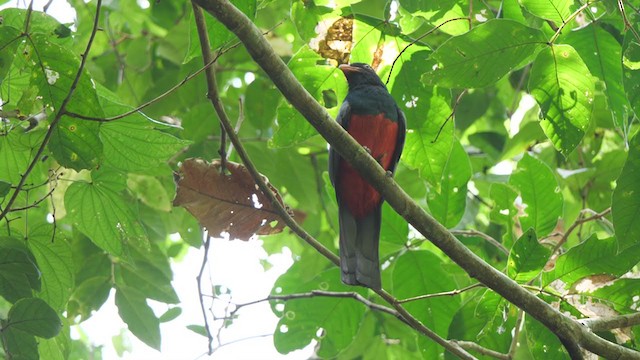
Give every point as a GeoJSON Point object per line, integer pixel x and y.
{"type": "Point", "coordinates": [379, 135]}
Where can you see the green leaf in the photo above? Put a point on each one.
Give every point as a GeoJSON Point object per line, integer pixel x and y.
{"type": "Point", "coordinates": [218, 33]}
{"type": "Point", "coordinates": [625, 204]}
{"type": "Point", "coordinates": [448, 203]}
{"type": "Point", "coordinates": [527, 257]}
{"type": "Point", "coordinates": [99, 210]}
{"type": "Point", "coordinates": [292, 128]}
{"type": "Point", "coordinates": [138, 316]}
{"type": "Point", "coordinates": [557, 11]}
{"type": "Point", "coordinates": [542, 343]}
{"type": "Point", "coordinates": [427, 147]}
{"type": "Point", "coordinates": [148, 273]}
{"type": "Point", "coordinates": [540, 193]}
{"type": "Point", "coordinates": [9, 41]}
{"type": "Point", "coordinates": [35, 317]}
{"type": "Point", "coordinates": [170, 314]}
{"type": "Point", "coordinates": [619, 295]}
{"type": "Point", "coordinates": [260, 103]}
{"type": "Point", "coordinates": [601, 53]}
{"type": "Point", "coordinates": [18, 272]}
{"type": "Point", "coordinates": [631, 69]}
{"type": "Point", "coordinates": [484, 320]}
{"type": "Point", "coordinates": [592, 257]}
{"type": "Point", "coordinates": [55, 263]}
{"type": "Point", "coordinates": [504, 210]}
{"type": "Point", "coordinates": [135, 143]}
{"type": "Point", "coordinates": [150, 191]}
{"type": "Point", "coordinates": [339, 318]}
{"type": "Point", "coordinates": [4, 188]}
{"type": "Point", "coordinates": [394, 231]}
{"type": "Point", "coordinates": [564, 89]}
{"type": "Point", "coordinates": [19, 344]}
{"type": "Point", "coordinates": [198, 329]}
{"type": "Point", "coordinates": [74, 143]}
{"type": "Point", "coordinates": [420, 272]}
{"type": "Point", "coordinates": [483, 55]}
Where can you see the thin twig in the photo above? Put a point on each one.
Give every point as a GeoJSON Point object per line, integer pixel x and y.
{"type": "Point", "coordinates": [481, 349]}
{"type": "Point", "coordinates": [212, 84]}
{"type": "Point", "coordinates": [577, 223]}
{"type": "Point", "coordinates": [625, 19]}
{"type": "Point", "coordinates": [58, 116]}
{"type": "Point", "coordinates": [237, 128]}
{"type": "Point", "coordinates": [480, 234]}
{"type": "Point", "coordinates": [320, 293]}
{"type": "Point", "coordinates": [453, 113]}
{"type": "Point", "coordinates": [568, 20]}
{"type": "Point", "coordinates": [516, 334]}
{"type": "Point", "coordinates": [444, 293]}
{"type": "Point", "coordinates": [205, 259]}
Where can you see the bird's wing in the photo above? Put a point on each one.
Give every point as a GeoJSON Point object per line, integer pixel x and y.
{"type": "Point", "coordinates": [402, 130]}
{"type": "Point", "coordinates": [344, 115]}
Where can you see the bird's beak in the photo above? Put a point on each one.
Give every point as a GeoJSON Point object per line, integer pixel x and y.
{"type": "Point", "coordinates": [347, 69]}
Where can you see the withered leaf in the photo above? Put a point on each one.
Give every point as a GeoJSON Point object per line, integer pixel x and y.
{"type": "Point", "coordinates": [336, 42]}
{"type": "Point", "coordinates": [230, 203]}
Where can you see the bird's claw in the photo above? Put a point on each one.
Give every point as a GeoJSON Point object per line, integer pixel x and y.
{"type": "Point", "coordinates": [389, 173]}
{"type": "Point", "coordinates": [367, 150]}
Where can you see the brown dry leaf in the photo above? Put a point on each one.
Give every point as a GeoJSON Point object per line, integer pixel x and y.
{"type": "Point", "coordinates": [336, 42]}
{"type": "Point", "coordinates": [230, 204]}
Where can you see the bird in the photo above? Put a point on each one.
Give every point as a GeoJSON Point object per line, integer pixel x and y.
{"type": "Point", "coordinates": [372, 117]}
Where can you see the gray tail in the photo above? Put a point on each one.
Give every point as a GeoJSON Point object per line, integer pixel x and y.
{"type": "Point", "coordinates": [359, 240]}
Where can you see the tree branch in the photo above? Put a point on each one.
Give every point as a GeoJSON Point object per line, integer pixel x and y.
{"type": "Point", "coordinates": [260, 50]}
{"type": "Point", "coordinates": [609, 323]}
{"type": "Point", "coordinates": [482, 350]}
{"type": "Point", "coordinates": [296, 228]}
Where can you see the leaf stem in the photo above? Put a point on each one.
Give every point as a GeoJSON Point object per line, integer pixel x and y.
{"type": "Point", "coordinates": [568, 20]}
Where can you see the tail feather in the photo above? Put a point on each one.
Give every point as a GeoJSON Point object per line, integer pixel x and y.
{"type": "Point", "coordinates": [359, 240]}
{"type": "Point", "coordinates": [348, 231]}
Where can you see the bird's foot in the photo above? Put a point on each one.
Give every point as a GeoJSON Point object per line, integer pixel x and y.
{"type": "Point", "coordinates": [389, 173]}
{"type": "Point", "coordinates": [367, 150]}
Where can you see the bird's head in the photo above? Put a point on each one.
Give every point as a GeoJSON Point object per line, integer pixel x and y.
{"type": "Point", "coordinates": [359, 74]}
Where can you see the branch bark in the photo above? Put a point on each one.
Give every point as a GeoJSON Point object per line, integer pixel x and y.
{"type": "Point", "coordinates": [568, 330]}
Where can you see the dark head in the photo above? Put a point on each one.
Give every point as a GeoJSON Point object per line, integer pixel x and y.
{"type": "Point", "coordinates": [359, 74]}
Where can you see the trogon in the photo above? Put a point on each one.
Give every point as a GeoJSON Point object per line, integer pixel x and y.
{"type": "Point", "coordinates": [372, 118]}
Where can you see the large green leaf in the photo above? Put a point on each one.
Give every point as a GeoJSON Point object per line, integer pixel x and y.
{"type": "Point", "coordinates": [19, 344]}
{"type": "Point", "coordinates": [9, 41]}
{"type": "Point", "coordinates": [557, 11]}
{"type": "Point", "coordinates": [592, 257]}
{"type": "Point", "coordinates": [138, 316]}
{"type": "Point", "coordinates": [55, 262]}
{"type": "Point", "coordinates": [418, 273]}
{"type": "Point", "coordinates": [333, 322]}
{"type": "Point", "coordinates": [485, 320]}
{"type": "Point", "coordinates": [483, 55]}
{"type": "Point", "coordinates": [620, 295]}
{"type": "Point", "coordinates": [429, 138]}
{"type": "Point", "coordinates": [564, 89]}
{"type": "Point", "coordinates": [625, 204]}
{"type": "Point", "coordinates": [631, 69]}
{"type": "Point", "coordinates": [504, 210]}
{"type": "Point", "coordinates": [149, 273]}
{"type": "Point", "coordinates": [35, 317]}
{"type": "Point", "coordinates": [601, 53]}
{"type": "Point", "coordinates": [540, 194]}
{"type": "Point", "coordinates": [218, 33]}
{"type": "Point", "coordinates": [542, 343]}
{"type": "Point", "coordinates": [74, 143]}
{"type": "Point", "coordinates": [292, 128]}
{"type": "Point", "coordinates": [447, 204]}
{"type": "Point", "coordinates": [18, 271]}
{"type": "Point", "coordinates": [99, 210]}
{"type": "Point", "coordinates": [527, 257]}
